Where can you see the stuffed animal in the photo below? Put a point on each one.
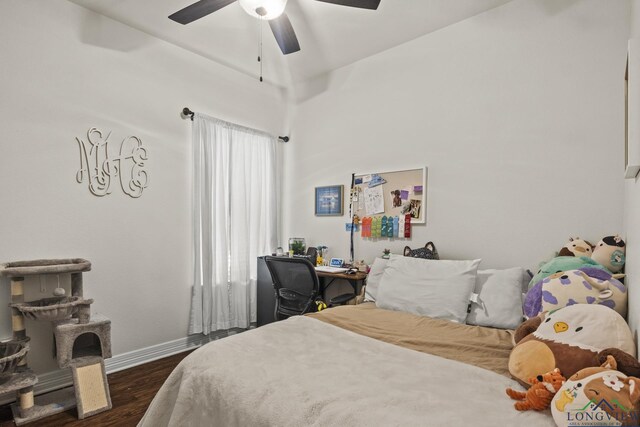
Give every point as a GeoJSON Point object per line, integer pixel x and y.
{"type": "Point", "coordinates": [570, 339]}
{"type": "Point", "coordinates": [538, 397]}
{"type": "Point", "coordinates": [585, 285]}
{"type": "Point", "coordinates": [428, 252]}
{"type": "Point", "coordinates": [563, 263]}
{"type": "Point", "coordinates": [576, 247]}
{"type": "Point", "coordinates": [598, 394]}
{"type": "Point", "coordinates": [610, 253]}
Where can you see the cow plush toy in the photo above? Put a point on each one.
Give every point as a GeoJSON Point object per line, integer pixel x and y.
{"type": "Point", "coordinates": [576, 247]}
{"type": "Point", "coordinates": [587, 285]}
{"type": "Point", "coordinates": [610, 252]}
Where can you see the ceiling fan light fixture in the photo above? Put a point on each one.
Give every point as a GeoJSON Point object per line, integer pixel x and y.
{"type": "Point", "coordinates": [265, 9]}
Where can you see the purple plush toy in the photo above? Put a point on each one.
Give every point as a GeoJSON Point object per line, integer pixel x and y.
{"type": "Point", "coordinates": [586, 285]}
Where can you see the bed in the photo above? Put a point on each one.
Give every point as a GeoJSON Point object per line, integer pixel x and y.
{"type": "Point", "coordinates": [347, 366]}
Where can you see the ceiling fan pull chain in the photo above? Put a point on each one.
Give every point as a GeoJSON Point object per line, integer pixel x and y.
{"type": "Point", "coordinates": [260, 53]}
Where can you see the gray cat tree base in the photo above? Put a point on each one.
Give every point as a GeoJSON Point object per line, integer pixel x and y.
{"type": "Point", "coordinates": [45, 406]}
{"type": "Point", "coordinates": [82, 343]}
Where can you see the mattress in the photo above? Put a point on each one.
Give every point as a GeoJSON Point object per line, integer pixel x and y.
{"type": "Point", "coordinates": [307, 371]}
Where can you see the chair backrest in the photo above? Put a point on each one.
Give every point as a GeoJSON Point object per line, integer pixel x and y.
{"type": "Point", "coordinates": [312, 254]}
{"type": "Point", "coordinates": [296, 284]}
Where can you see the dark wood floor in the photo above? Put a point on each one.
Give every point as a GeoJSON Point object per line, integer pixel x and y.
{"type": "Point", "coordinates": [131, 392]}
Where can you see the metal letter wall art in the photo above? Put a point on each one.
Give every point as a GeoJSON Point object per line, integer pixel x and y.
{"type": "Point", "coordinates": [101, 171]}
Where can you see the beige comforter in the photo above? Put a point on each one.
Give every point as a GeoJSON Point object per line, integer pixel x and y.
{"type": "Point", "coordinates": [488, 348]}
{"type": "Point", "coordinates": [305, 372]}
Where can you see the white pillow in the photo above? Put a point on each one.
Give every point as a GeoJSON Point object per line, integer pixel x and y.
{"type": "Point", "coordinates": [373, 278]}
{"type": "Point", "coordinates": [526, 278]}
{"type": "Point", "coordinates": [434, 288]}
{"type": "Point", "coordinates": [499, 301]}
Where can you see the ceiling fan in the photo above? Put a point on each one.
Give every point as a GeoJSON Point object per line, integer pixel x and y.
{"type": "Point", "coordinates": [271, 10]}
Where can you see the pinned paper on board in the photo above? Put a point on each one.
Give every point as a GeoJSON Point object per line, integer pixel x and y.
{"type": "Point", "coordinates": [376, 180]}
{"type": "Point", "coordinates": [348, 226]}
{"type": "Point", "coordinates": [415, 206]}
{"type": "Point", "coordinates": [400, 192]}
{"type": "Point", "coordinates": [396, 201]}
{"type": "Point", "coordinates": [373, 200]}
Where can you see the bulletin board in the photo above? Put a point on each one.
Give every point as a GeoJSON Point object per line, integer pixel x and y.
{"type": "Point", "coordinates": [391, 193]}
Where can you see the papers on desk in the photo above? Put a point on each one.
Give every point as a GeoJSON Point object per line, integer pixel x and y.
{"type": "Point", "coordinates": [327, 269]}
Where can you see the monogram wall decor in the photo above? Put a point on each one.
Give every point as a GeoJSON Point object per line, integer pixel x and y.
{"type": "Point", "coordinates": [101, 170]}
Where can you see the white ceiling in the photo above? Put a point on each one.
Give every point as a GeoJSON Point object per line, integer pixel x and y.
{"type": "Point", "coordinates": [330, 36]}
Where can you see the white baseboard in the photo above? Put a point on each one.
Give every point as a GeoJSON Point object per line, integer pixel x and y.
{"type": "Point", "coordinates": [61, 378]}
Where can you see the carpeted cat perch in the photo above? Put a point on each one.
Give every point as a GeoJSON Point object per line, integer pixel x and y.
{"type": "Point", "coordinates": [82, 342]}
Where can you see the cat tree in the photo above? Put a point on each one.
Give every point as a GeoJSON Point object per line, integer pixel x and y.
{"type": "Point", "coordinates": [82, 343]}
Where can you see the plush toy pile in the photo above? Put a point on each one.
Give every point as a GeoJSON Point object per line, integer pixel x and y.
{"type": "Point", "coordinates": [580, 275]}
{"type": "Point", "coordinates": [576, 329]}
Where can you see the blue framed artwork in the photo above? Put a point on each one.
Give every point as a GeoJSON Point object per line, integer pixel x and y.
{"type": "Point", "coordinates": [329, 200]}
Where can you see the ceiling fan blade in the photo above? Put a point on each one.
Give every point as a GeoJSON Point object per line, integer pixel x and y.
{"type": "Point", "coordinates": [284, 34]}
{"type": "Point", "coordinates": [362, 4]}
{"type": "Point", "coordinates": [198, 10]}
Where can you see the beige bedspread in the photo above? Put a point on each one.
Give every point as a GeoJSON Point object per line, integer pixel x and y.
{"type": "Point", "coordinates": [487, 348]}
{"type": "Point", "coordinates": [276, 376]}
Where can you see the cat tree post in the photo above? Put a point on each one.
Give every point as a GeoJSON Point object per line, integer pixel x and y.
{"type": "Point", "coordinates": [76, 284]}
{"type": "Point", "coordinates": [24, 395]}
{"type": "Point", "coordinates": [17, 318]}
{"type": "Point", "coordinates": [25, 400]}
{"type": "Point", "coordinates": [76, 289]}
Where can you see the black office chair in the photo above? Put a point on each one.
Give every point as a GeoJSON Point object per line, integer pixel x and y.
{"type": "Point", "coordinates": [297, 286]}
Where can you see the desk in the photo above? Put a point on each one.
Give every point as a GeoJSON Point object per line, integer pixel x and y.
{"type": "Point", "coordinates": [265, 297]}
{"type": "Point", "coordinates": [353, 279]}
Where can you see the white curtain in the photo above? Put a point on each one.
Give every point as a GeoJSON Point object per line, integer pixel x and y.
{"type": "Point", "coordinates": [236, 216]}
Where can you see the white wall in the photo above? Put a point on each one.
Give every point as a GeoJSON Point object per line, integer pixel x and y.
{"type": "Point", "coordinates": [64, 69]}
{"type": "Point", "coordinates": [517, 112]}
{"type": "Point", "coordinates": [632, 213]}
{"type": "Point", "coordinates": [634, 19]}
{"type": "Point", "coordinates": [632, 235]}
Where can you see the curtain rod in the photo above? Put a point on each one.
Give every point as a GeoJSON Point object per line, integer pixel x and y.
{"type": "Point", "coordinates": [186, 112]}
